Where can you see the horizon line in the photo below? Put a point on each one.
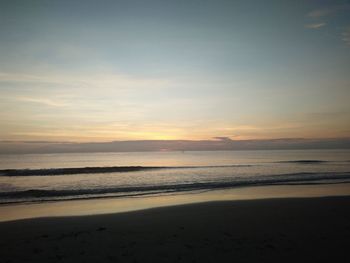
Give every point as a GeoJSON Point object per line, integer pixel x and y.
{"type": "Point", "coordinates": [173, 140]}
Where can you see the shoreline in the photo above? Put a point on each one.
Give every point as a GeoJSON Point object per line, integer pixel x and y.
{"type": "Point", "coordinates": [110, 205]}
{"type": "Point", "coordinates": [315, 229]}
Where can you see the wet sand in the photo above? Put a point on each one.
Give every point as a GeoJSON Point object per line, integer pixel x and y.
{"type": "Point", "coordinates": [266, 230]}
{"type": "Point", "coordinates": [111, 205]}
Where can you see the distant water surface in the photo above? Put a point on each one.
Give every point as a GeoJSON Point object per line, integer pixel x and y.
{"type": "Point", "coordinates": [45, 177]}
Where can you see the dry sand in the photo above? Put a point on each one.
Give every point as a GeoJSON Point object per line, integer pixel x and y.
{"type": "Point", "coordinates": [267, 230]}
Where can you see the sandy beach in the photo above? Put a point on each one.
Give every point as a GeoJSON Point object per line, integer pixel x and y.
{"type": "Point", "coordinates": [266, 230]}
{"type": "Point", "coordinates": [167, 131]}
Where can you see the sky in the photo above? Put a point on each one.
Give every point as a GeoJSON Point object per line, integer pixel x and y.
{"type": "Point", "coordinates": [96, 71]}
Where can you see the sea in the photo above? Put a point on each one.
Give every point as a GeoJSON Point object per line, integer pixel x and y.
{"type": "Point", "coordinates": [69, 176]}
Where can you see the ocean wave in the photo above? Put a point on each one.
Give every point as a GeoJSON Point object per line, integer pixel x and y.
{"type": "Point", "coordinates": [102, 169]}
{"type": "Point", "coordinates": [305, 161]}
{"type": "Point", "coordinates": [301, 178]}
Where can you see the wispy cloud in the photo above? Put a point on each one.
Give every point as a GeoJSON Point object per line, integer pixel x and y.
{"type": "Point", "coordinates": [320, 13]}
{"type": "Point", "coordinates": [324, 12]}
{"type": "Point", "coordinates": [318, 17]}
{"type": "Point", "coordinates": [315, 16]}
{"type": "Point", "coordinates": [43, 101]}
{"type": "Point", "coordinates": [346, 36]}
{"type": "Point", "coordinates": [315, 25]}
{"type": "Point", "coordinates": [96, 80]}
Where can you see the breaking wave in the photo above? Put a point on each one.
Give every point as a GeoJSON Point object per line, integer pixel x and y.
{"type": "Point", "coordinates": [95, 170]}
{"type": "Point", "coordinates": [136, 190]}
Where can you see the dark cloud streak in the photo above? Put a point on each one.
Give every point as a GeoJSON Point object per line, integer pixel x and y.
{"type": "Point", "coordinates": [219, 143]}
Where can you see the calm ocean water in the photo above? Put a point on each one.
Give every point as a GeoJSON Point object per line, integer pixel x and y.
{"type": "Point", "coordinates": [45, 177]}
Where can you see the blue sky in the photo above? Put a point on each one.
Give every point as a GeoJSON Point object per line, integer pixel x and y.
{"type": "Point", "coordinates": [127, 70]}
